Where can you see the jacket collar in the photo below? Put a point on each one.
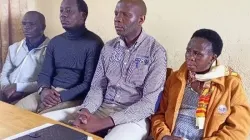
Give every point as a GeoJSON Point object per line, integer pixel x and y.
{"type": "Point", "coordinates": [182, 74]}
{"type": "Point", "coordinates": [36, 44]}
{"type": "Point", "coordinates": [25, 47]}
{"type": "Point", "coordinates": [45, 43]}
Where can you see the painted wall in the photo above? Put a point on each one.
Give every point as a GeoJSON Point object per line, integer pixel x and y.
{"type": "Point", "coordinates": [172, 23]}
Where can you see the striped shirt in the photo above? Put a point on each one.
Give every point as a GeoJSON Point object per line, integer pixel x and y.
{"type": "Point", "coordinates": [130, 79]}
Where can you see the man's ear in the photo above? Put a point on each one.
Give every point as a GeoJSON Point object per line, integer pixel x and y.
{"type": "Point", "coordinates": [44, 27]}
{"type": "Point", "coordinates": [84, 16]}
{"type": "Point", "coordinates": [214, 58]}
{"type": "Point", "coordinates": [142, 19]}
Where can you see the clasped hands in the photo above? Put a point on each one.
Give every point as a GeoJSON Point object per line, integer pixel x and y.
{"type": "Point", "coordinates": [90, 122]}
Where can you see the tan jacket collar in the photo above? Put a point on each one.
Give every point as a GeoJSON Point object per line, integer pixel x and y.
{"type": "Point", "coordinates": [183, 72]}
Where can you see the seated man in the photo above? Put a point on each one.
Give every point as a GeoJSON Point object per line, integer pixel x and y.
{"type": "Point", "coordinates": [128, 80]}
{"type": "Point", "coordinates": [203, 100]}
{"type": "Point", "coordinates": [69, 65]}
{"type": "Point", "coordinates": [24, 60]}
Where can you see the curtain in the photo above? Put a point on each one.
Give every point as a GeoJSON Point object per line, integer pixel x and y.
{"type": "Point", "coordinates": [11, 13]}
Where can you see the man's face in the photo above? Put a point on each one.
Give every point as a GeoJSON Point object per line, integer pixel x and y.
{"type": "Point", "coordinates": [127, 18]}
{"type": "Point", "coordinates": [32, 27]}
{"type": "Point", "coordinates": [199, 55]}
{"type": "Point", "coordinates": [70, 15]}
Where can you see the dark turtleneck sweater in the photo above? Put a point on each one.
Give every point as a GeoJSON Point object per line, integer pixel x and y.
{"type": "Point", "coordinates": [70, 63]}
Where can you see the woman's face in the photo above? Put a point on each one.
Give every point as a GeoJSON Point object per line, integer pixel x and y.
{"type": "Point", "coordinates": [199, 55]}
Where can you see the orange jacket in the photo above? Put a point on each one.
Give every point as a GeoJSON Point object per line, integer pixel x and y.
{"type": "Point", "coordinates": [234, 124]}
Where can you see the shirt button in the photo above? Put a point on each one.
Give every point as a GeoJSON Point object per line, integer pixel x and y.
{"type": "Point", "coordinates": [125, 63]}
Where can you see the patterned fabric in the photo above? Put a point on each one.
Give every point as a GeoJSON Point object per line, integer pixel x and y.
{"type": "Point", "coordinates": [185, 126]}
{"type": "Point", "coordinates": [216, 71]}
{"type": "Point", "coordinates": [128, 78]}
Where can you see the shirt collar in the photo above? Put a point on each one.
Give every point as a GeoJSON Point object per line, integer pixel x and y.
{"type": "Point", "coordinates": [140, 39]}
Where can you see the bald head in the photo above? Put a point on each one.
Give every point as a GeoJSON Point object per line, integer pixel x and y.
{"type": "Point", "coordinates": [140, 4]}
{"type": "Point", "coordinates": [33, 24]}
{"type": "Point", "coordinates": [129, 17]}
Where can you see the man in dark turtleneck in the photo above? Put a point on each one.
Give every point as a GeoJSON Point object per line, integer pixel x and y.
{"type": "Point", "coordinates": [69, 64]}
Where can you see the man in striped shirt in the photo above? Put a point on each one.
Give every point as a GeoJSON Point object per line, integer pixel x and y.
{"type": "Point", "coordinates": [128, 80]}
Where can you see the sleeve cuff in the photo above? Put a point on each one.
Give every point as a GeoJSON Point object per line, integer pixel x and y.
{"type": "Point", "coordinates": [162, 134]}
{"type": "Point", "coordinates": [118, 118]}
{"type": "Point", "coordinates": [26, 87]}
{"type": "Point", "coordinates": [64, 96]}
{"type": "Point", "coordinates": [20, 87]}
{"type": "Point", "coordinates": [89, 107]}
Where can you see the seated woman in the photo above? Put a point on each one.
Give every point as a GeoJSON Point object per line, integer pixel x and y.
{"type": "Point", "coordinates": [203, 100]}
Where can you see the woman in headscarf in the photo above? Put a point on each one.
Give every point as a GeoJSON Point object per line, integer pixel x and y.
{"type": "Point", "coordinates": [203, 99]}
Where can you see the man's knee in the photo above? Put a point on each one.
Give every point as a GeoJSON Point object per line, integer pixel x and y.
{"type": "Point", "coordinates": [63, 115]}
{"type": "Point", "coordinates": [52, 115]}
{"type": "Point", "coordinates": [30, 102]}
{"type": "Point", "coordinates": [131, 131]}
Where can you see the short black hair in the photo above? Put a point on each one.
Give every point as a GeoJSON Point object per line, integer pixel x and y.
{"type": "Point", "coordinates": [39, 17]}
{"type": "Point", "coordinates": [82, 6]}
{"type": "Point", "coordinates": [213, 37]}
